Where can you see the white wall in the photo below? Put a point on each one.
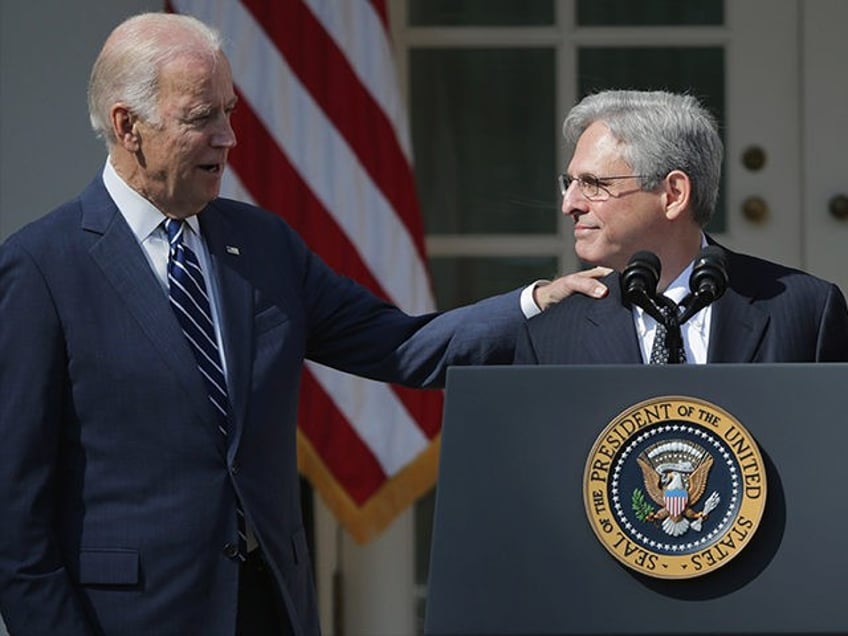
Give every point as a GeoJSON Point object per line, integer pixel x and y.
{"type": "Point", "coordinates": [47, 150]}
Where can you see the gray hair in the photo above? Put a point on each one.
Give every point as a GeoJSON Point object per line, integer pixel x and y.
{"type": "Point", "coordinates": [128, 66]}
{"type": "Point", "coordinates": [660, 132]}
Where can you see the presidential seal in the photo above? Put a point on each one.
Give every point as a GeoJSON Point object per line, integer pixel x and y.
{"type": "Point", "coordinates": [674, 487]}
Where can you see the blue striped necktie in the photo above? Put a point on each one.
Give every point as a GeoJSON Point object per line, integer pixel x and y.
{"type": "Point", "coordinates": [190, 302]}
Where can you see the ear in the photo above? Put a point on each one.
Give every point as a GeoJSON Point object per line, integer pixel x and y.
{"type": "Point", "coordinates": [125, 127]}
{"type": "Point", "coordinates": [677, 194]}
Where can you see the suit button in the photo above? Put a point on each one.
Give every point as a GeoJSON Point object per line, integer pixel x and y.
{"type": "Point", "coordinates": [231, 550]}
{"type": "Point", "coordinates": [235, 467]}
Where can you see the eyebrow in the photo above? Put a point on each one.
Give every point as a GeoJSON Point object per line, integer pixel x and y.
{"type": "Point", "coordinates": [202, 110]}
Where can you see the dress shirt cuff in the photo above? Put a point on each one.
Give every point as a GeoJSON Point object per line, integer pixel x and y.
{"type": "Point", "coordinates": [528, 305]}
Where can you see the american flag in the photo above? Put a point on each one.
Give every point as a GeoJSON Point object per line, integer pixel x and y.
{"type": "Point", "coordinates": [323, 141]}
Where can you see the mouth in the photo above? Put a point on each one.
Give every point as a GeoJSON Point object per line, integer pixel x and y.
{"type": "Point", "coordinates": [582, 227]}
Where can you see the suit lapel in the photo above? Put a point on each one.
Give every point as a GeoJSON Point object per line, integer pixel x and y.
{"type": "Point", "coordinates": [228, 254]}
{"type": "Point", "coordinates": [611, 336]}
{"type": "Point", "coordinates": [737, 325]}
{"type": "Point", "coordinates": [737, 329]}
{"type": "Point", "coordinates": [122, 261]}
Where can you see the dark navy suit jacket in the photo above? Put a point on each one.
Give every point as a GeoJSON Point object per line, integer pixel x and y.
{"type": "Point", "coordinates": [117, 495]}
{"type": "Point", "coordinates": [769, 313]}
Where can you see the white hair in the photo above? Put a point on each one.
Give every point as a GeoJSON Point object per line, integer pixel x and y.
{"type": "Point", "coordinates": [128, 66]}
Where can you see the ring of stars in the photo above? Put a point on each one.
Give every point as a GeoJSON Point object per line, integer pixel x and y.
{"type": "Point", "coordinates": [715, 445]}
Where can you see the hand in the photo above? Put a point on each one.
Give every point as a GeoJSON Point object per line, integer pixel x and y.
{"type": "Point", "coordinates": [583, 282]}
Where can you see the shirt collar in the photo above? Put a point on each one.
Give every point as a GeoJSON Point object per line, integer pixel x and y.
{"type": "Point", "coordinates": [141, 215]}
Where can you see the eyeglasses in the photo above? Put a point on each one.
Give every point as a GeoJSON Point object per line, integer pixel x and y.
{"type": "Point", "coordinates": [592, 187]}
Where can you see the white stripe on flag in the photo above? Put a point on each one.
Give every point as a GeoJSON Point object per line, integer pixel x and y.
{"type": "Point", "coordinates": [376, 414]}
{"type": "Point", "coordinates": [358, 31]}
{"type": "Point", "coordinates": [321, 156]}
{"type": "Point", "coordinates": [233, 188]}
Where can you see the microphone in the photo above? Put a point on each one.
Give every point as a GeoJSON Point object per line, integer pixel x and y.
{"type": "Point", "coordinates": [707, 283]}
{"type": "Point", "coordinates": [639, 283]}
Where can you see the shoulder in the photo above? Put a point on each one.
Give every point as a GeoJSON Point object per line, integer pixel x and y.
{"type": "Point", "coordinates": [579, 306]}
{"type": "Point", "coordinates": [763, 279]}
{"type": "Point", "coordinates": [51, 234]}
{"type": "Point", "coordinates": [242, 213]}
{"type": "Point", "coordinates": [252, 222]}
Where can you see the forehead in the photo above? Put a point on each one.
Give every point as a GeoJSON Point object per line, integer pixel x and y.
{"type": "Point", "coordinates": [597, 150]}
{"type": "Point", "coordinates": [195, 78]}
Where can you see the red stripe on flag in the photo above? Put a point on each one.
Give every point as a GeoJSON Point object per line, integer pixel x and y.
{"type": "Point", "coordinates": [324, 70]}
{"type": "Point", "coordinates": [275, 185]}
{"type": "Point", "coordinates": [424, 406]}
{"type": "Point", "coordinates": [343, 452]}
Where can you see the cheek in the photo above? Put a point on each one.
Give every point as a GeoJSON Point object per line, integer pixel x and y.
{"type": "Point", "coordinates": [627, 222]}
{"type": "Point", "coordinates": [183, 151]}
{"type": "Point", "coordinates": [177, 149]}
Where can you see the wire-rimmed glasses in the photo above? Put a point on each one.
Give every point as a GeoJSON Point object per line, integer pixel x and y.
{"type": "Point", "coordinates": [592, 187]}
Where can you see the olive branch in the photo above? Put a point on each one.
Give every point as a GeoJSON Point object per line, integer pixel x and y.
{"type": "Point", "coordinates": [640, 505]}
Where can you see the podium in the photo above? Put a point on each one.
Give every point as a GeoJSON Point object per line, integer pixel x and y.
{"type": "Point", "coordinates": [513, 551]}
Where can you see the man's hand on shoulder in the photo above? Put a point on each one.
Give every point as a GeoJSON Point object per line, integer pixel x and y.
{"type": "Point", "coordinates": [584, 282]}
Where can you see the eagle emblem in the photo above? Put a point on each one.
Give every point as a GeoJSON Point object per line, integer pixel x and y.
{"type": "Point", "coordinates": [675, 474]}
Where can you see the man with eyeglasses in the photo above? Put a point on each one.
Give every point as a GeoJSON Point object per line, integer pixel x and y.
{"type": "Point", "coordinates": [644, 175]}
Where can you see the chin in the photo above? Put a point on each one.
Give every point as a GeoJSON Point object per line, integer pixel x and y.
{"type": "Point", "coordinates": [590, 257]}
{"type": "Point", "coordinates": [209, 195]}
{"type": "Point", "coordinates": [594, 259]}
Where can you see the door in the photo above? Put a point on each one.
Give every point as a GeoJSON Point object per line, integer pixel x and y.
{"type": "Point", "coordinates": [763, 212]}
{"type": "Point", "coordinates": [824, 91]}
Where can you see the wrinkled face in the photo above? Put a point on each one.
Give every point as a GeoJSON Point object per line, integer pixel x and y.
{"type": "Point", "coordinates": [182, 156]}
{"type": "Point", "coordinates": [608, 232]}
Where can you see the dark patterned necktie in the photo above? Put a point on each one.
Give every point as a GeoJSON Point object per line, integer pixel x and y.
{"type": "Point", "coordinates": [668, 341]}
{"type": "Point", "coordinates": [190, 302]}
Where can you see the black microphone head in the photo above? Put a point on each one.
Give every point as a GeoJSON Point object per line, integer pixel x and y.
{"type": "Point", "coordinates": [641, 275]}
{"type": "Point", "coordinates": [647, 258]}
{"type": "Point", "coordinates": [709, 274]}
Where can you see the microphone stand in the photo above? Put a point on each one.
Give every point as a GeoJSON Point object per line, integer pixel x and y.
{"type": "Point", "coordinates": [692, 304]}
{"type": "Point", "coordinates": [708, 282]}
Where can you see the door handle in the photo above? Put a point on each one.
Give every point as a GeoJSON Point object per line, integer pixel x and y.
{"type": "Point", "coordinates": [838, 206]}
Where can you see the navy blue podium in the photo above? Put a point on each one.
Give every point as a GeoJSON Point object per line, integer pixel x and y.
{"type": "Point", "coordinates": [513, 551]}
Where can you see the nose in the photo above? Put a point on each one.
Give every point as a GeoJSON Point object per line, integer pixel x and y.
{"type": "Point", "coordinates": [573, 202]}
{"type": "Point", "coordinates": [224, 136]}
